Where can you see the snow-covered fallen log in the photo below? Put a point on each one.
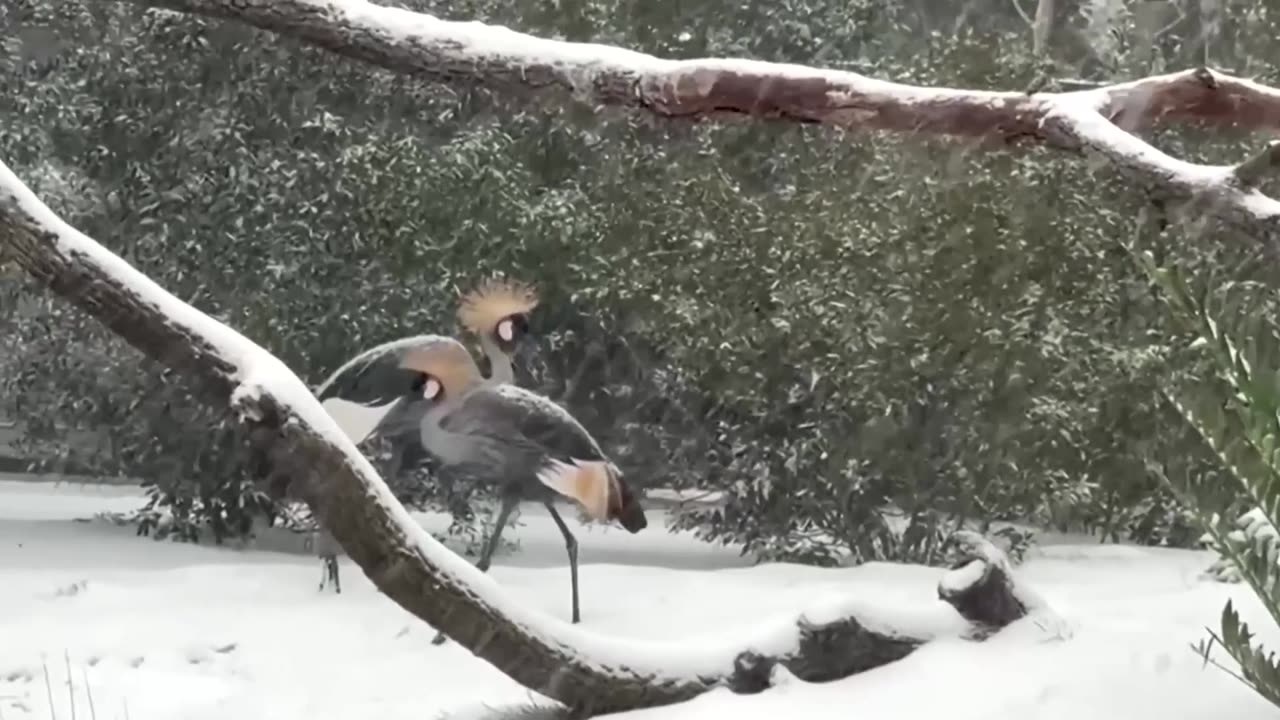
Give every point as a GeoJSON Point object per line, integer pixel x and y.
{"type": "Point", "coordinates": [980, 585]}
{"type": "Point", "coordinates": [584, 670]}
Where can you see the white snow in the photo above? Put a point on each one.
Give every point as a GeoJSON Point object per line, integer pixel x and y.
{"type": "Point", "coordinates": [963, 577]}
{"type": "Point", "coordinates": [185, 632]}
{"type": "Point", "coordinates": [1081, 110]}
{"type": "Point", "coordinates": [257, 371]}
{"type": "Point", "coordinates": [1098, 97]}
{"type": "Point", "coordinates": [478, 40]}
{"type": "Point", "coordinates": [1105, 136]}
{"type": "Point", "coordinates": [578, 62]}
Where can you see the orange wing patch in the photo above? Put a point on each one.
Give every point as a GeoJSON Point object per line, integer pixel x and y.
{"type": "Point", "coordinates": [446, 360]}
{"type": "Point", "coordinates": [585, 481]}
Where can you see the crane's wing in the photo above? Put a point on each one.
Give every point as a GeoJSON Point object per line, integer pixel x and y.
{"type": "Point", "coordinates": [360, 394]}
{"type": "Point", "coordinates": [523, 419]}
{"type": "Point", "coordinates": [374, 377]}
{"type": "Point", "coordinates": [532, 426]}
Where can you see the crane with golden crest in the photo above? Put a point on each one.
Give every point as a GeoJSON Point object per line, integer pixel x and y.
{"type": "Point", "coordinates": [429, 389]}
{"type": "Point", "coordinates": [496, 311]}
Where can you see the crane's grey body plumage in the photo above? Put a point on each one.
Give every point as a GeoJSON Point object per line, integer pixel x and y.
{"type": "Point", "coordinates": [488, 430]}
{"type": "Point", "coordinates": [505, 434]}
{"type": "Point", "coordinates": [501, 367]}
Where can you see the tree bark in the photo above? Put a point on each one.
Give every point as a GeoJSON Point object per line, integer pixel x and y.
{"type": "Point", "coordinates": [586, 673]}
{"type": "Point", "coordinates": [1042, 28]}
{"type": "Point", "coordinates": [1093, 122]}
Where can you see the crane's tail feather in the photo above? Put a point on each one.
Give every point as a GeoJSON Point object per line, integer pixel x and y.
{"type": "Point", "coordinates": [588, 482]}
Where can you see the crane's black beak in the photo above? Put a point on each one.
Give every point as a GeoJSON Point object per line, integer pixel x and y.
{"type": "Point", "coordinates": [633, 519]}
{"type": "Point", "coordinates": [526, 356]}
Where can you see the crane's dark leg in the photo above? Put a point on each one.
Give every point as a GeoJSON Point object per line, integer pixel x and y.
{"type": "Point", "coordinates": [571, 545]}
{"type": "Point", "coordinates": [509, 503]}
{"type": "Point", "coordinates": [329, 573]}
{"type": "Point", "coordinates": [332, 563]}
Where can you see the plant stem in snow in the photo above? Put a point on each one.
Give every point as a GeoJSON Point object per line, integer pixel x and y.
{"type": "Point", "coordinates": [48, 689]}
{"type": "Point", "coordinates": [71, 683]}
{"type": "Point", "coordinates": [88, 691]}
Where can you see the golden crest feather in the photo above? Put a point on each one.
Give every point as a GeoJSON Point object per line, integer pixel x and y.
{"type": "Point", "coordinates": [448, 361]}
{"type": "Point", "coordinates": [481, 309]}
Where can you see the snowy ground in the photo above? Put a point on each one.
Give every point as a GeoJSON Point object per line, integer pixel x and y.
{"type": "Point", "coordinates": [164, 631]}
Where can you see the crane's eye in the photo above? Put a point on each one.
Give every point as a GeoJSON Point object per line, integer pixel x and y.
{"type": "Point", "coordinates": [431, 388]}
{"type": "Point", "coordinates": [506, 330]}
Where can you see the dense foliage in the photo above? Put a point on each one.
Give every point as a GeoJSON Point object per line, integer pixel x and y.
{"type": "Point", "coordinates": [861, 341]}
{"type": "Point", "coordinates": [1234, 403]}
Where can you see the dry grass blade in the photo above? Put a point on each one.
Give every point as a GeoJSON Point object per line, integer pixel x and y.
{"type": "Point", "coordinates": [88, 691]}
{"type": "Point", "coordinates": [71, 683]}
{"type": "Point", "coordinates": [48, 688]}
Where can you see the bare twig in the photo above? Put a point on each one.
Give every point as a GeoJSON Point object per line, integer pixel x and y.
{"type": "Point", "coordinates": [1022, 13]}
{"type": "Point", "coordinates": [1042, 28]}
{"type": "Point", "coordinates": [88, 691]}
{"type": "Point", "coordinates": [48, 689]}
{"type": "Point", "coordinates": [1172, 23]}
{"type": "Point", "coordinates": [1251, 171]}
{"type": "Point", "coordinates": [71, 683]}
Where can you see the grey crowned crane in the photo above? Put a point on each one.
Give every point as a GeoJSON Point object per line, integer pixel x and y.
{"type": "Point", "coordinates": [497, 312]}
{"type": "Point", "coordinates": [340, 395]}
{"type": "Point", "coordinates": [496, 433]}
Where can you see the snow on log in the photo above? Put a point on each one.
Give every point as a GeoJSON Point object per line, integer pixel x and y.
{"type": "Point", "coordinates": [587, 672]}
{"type": "Point", "coordinates": [980, 585]}
{"type": "Point", "coordinates": [1094, 122]}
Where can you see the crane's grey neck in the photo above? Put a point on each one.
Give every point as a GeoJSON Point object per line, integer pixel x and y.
{"type": "Point", "coordinates": [451, 447]}
{"type": "Point", "coordinates": [500, 367]}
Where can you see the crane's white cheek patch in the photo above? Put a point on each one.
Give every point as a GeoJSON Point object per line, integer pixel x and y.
{"type": "Point", "coordinates": [506, 331]}
{"type": "Point", "coordinates": [584, 481]}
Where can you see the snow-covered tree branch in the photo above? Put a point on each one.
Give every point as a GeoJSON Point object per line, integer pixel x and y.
{"type": "Point", "coordinates": [1096, 122]}
{"type": "Point", "coordinates": [583, 670]}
